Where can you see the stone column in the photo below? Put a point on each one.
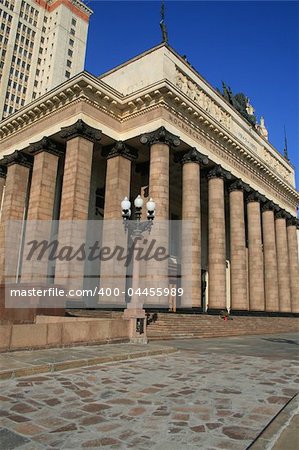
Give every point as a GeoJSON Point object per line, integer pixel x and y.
{"type": "Point", "coordinates": [40, 206]}
{"type": "Point", "coordinates": [117, 186]}
{"type": "Point", "coordinates": [2, 185]}
{"type": "Point", "coordinates": [255, 253]}
{"type": "Point", "coordinates": [74, 207]}
{"type": "Point", "coordinates": [292, 224]}
{"type": "Point", "coordinates": [238, 257]}
{"type": "Point", "coordinates": [191, 244]}
{"type": "Point", "coordinates": [13, 213]}
{"type": "Point", "coordinates": [282, 262]}
{"type": "Point", "coordinates": [160, 142]}
{"type": "Point", "coordinates": [270, 258]}
{"type": "Point", "coordinates": [216, 241]}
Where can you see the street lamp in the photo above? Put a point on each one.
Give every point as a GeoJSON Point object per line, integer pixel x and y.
{"type": "Point", "coordinates": [135, 229]}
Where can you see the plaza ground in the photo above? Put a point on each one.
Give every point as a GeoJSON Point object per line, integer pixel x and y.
{"type": "Point", "coordinates": [215, 393]}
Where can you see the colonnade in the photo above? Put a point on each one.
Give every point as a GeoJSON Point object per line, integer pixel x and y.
{"type": "Point", "coordinates": [263, 250]}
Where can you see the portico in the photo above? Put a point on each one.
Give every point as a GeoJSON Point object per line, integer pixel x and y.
{"type": "Point", "coordinates": [169, 135]}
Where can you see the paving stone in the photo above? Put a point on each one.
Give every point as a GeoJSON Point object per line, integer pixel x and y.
{"type": "Point", "coordinates": [10, 440]}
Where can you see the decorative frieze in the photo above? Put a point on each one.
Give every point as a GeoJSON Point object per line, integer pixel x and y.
{"type": "Point", "coordinates": [281, 214]}
{"type": "Point", "coordinates": [161, 135]}
{"type": "Point", "coordinates": [120, 149]}
{"type": "Point", "coordinates": [195, 93]}
{"type": "Point", "coordinates": [81, 129]}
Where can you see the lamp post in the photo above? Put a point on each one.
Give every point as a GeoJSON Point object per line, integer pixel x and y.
{"type": "Point", "coordinates": [135, 229]}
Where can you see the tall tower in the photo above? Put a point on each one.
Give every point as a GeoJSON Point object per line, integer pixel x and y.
{"type": "Point", "coordinates": [42, 44]}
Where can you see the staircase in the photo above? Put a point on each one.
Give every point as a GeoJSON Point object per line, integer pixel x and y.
{"type": "Point", "coordinates": [187, 326]}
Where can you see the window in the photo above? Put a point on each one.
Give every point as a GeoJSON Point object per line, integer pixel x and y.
{"type": "Point", "coordinates": [74, 22]}
{"type": "Point", "coordinates": [67, 74]}
{"type": "Point", "coordinates": [72, 32]}
{"type": "Point", "coordinates": [69, 63]}
{"type": "Point", "coordinates": [71, 42]}
{"type": "Point", "coordinates": [70, 52]}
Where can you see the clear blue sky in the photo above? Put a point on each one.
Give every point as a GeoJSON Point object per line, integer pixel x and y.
{"type": "Point", "coordinates": [252, 46]}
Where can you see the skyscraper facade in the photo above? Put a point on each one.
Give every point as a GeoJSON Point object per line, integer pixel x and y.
{"type": "Point", "coordinates": [42, 44]}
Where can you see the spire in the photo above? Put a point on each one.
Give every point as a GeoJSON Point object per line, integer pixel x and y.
{"type": "Point", "coordinates": [162, 24]}
{"type": "Point", "coordinates": [285, 150]}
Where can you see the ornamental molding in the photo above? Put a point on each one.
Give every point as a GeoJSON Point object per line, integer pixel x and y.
{"type": "Point", "coordinates": [120, 149]}
{"type": "Point", "coordinates": [281, 214]}
{"type": "Point", "coordinates": [292, 221]}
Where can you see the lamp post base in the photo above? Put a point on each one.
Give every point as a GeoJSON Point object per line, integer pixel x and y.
{"type": "Point", "coordinates": [137, 327]}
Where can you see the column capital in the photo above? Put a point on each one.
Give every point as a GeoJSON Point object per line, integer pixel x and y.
{"type": "Point", "coordinates": [292, 221]}
{"type": "Point", "coordinates": [161, 135]}
{"type": "Point", "coordinates": [255, 196]}
{"type": "Point", "coordinates": [191, 156]}
{"type": "Point", "coordinates": [120, 149]}
{"type": "Point", "coordinates": [239, 185]}
{"type": "Point", "coordinates": [281, 214]}
{"type": "Point", "coordinates": [45, 145]}
{"type": "Point", "coordinates": [219, 172]}
{"type": "Point", "coordinates": [3, 171]}
{"type": "Point", "coordinates": [18, 157]}
{"type": "Point", "coordinates": [80, 128]}
{"type": "Point", "coordinates": [270, 206]}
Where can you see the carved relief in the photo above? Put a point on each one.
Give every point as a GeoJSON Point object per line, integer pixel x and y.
{"type": "Point", "coordinates": [275, 164]}
{"type": "Point", "coordinates": [195, 93]}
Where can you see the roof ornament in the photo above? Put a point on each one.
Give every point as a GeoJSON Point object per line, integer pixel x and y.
{"type": "Point", "coordinates": [162, 24]}
{"type": "Point", "coordinates": [285, 150]}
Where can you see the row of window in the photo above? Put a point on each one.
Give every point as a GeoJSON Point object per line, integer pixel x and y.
{"type": "Point", "coordinates": [9, 4]}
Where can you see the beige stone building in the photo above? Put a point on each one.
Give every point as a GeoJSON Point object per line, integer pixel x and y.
{"type": "Point", "coordinates": [154, 126]}
{"type": "Point", "coordinates": [42, 44]}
